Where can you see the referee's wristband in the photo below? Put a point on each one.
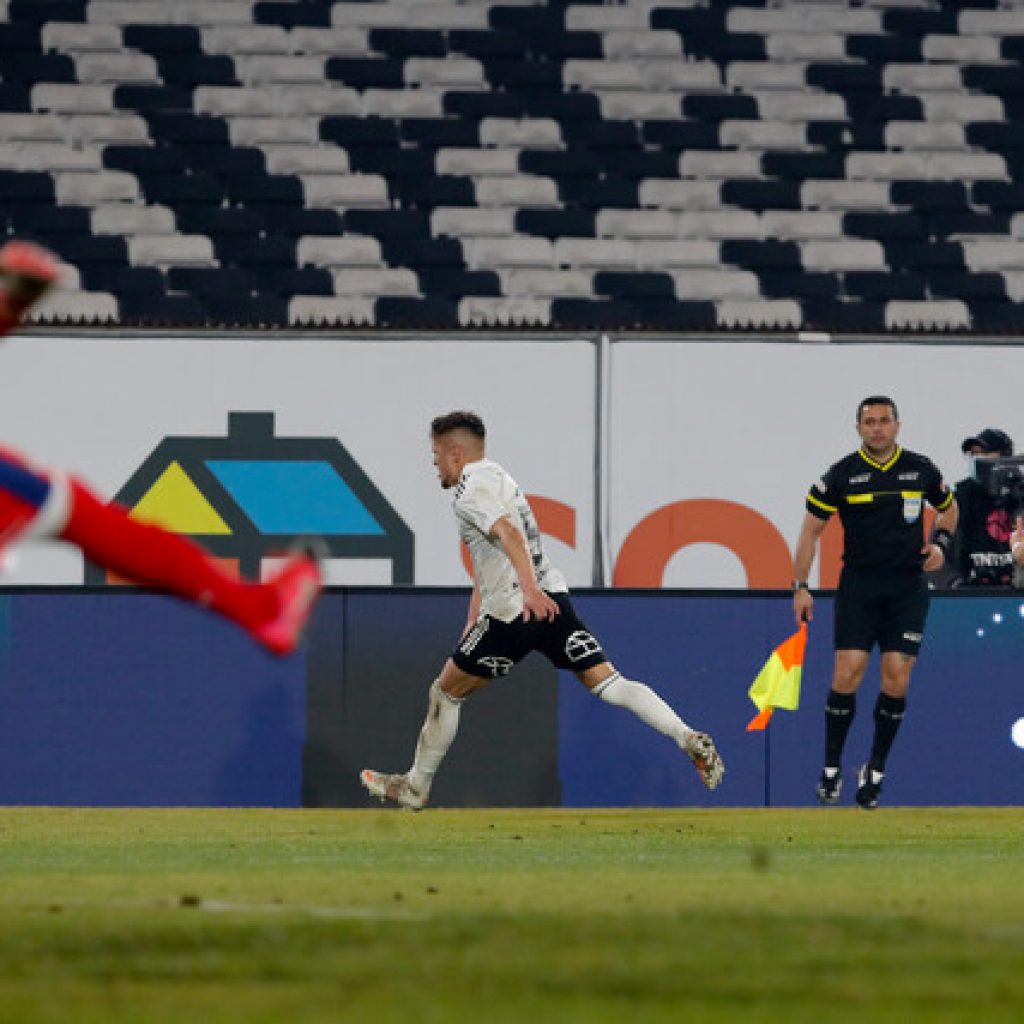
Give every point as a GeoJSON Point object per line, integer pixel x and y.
{"type": "Point", "coordinates": [800, 585]}
{"type": "Point", "coordinates": [943, 539]}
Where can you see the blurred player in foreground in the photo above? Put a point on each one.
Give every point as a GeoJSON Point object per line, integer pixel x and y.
{"type": "Point", "coordinates": [37, 503]}
{"type": "Point", "coordinates": [879, 492]}
{"type": "Point", "coordinates": [520, 603]}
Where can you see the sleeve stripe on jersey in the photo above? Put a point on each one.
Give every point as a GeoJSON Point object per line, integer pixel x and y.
{"type": "Point", "coordinates": [944, 505]}
{"type": "Point", "coordinates": [814, 501]}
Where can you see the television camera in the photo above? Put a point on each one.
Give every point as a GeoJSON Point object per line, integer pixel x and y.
{"type": "Point", "coordinates": [1003, 480]}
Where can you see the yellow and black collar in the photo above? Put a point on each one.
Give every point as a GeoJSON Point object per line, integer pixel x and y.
{"type": "Point", "coordinates": [878, 465]}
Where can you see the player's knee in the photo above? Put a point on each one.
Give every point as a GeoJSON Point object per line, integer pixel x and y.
{"type": "Point", "coordinates": [438, 693]}
{"type": "Point", "coordinates": [896, 684]}
{"type": "Point", "coordinates": [896, 668]}
{"type": "Point", "coordinates": [847, 678]}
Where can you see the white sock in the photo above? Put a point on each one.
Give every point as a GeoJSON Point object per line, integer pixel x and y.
{"type": "Point", "coordinates": [645, 704]}
{"type": "Point", "coordinates": [436, 737]}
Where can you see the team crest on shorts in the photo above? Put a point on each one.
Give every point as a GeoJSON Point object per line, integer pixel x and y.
{"type": "Point", "coordinates": [498, 666]}
{"type": "Point", "coordinates": [580, 645]}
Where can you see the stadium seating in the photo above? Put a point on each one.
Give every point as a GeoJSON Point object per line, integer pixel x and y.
{"type": "Point", "coordinates": [660, 164]}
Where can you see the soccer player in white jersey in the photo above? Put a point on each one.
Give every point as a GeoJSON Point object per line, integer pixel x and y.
{"type": "Point", "coordinates": [520, 603]}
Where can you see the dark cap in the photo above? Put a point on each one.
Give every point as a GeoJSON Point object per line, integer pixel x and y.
{"type": "Point", "coordinates": [990, 440]}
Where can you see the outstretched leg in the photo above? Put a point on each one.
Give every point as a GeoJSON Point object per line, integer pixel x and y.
{"type": "Point", "coordinates": [412, 789]}
{"type": "Point", "coordinates": [613, 688]}
{"type": "Point", "coordinates": [274, 613]}
{"type": "Point", "coordinates": [38, 504]}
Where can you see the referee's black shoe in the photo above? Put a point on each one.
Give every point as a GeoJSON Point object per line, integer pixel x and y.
{"type": "Point", "coordinates": [869, 787]}
{"type": "Point", "coordinates": [829, 787]}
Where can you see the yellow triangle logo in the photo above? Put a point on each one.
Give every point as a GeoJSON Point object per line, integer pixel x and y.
{"type": "Point", "coordinates": [176, 503]}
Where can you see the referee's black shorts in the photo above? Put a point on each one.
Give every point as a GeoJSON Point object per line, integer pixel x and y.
{"type": "Point", "coordinates": [884, 608]}
{"type": "Point", "coordinates": [491, 648]}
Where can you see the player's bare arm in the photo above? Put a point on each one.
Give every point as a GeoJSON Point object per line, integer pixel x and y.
{"type": "Point", "coordinates": [945, 524]}
{"type": "Point", "coordinates": [806, 548]}
{"type": "Point", "coordinates": [536, 604]}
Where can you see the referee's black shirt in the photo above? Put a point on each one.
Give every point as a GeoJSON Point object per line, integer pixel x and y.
{"type": "Point", "coordinates": [881, 507]}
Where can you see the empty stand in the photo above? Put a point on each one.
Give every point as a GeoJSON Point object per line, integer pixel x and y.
{"type": "Point", "coordinates": [673, 164]}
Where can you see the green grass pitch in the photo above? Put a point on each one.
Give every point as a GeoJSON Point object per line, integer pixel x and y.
{"type": "Point", "coordinates": [511, 915]}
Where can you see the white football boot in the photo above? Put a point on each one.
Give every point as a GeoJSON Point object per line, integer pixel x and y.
{"type": "Point", "coordinates": [395, 788]}
{"type": "Point", "coordinates": [700, 748]}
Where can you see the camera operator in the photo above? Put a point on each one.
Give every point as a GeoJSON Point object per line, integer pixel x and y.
{"type": "Point", "coordinates": [990, 501]}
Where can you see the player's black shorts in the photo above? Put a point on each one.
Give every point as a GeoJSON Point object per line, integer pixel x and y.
{"type": "Point", "coordinates": [886, 608]}
{"type": "Point", "coordinates": [491, 648]}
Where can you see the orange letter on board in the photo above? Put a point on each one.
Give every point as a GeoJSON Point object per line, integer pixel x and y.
{"type": "Point", "coordinates": [647, 550]}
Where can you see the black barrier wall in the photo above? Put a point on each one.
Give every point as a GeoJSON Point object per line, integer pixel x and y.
{"type": "Point", "coordinates": [371, 661]}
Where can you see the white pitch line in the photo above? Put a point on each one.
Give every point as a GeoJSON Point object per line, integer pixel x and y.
{"type": "Point", "coordinates": [241, 907]}
{"type": "Point", "coordinates": [344, 913]}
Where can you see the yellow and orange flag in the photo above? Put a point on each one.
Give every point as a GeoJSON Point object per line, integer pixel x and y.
{"type": "Point", "coordinates": [778, 684]}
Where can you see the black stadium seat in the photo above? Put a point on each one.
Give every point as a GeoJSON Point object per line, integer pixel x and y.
{"type": "Point", "coordinates": [455, 283]}
{"type": "Point", "coordinates": [36, 12]}
{"type": "Point", "coordinates": [158, 39]}
{"type": "Point", "coordinates": [292, 13]}
{"type": "Point", "coordinates": [44, 221]}
{"type": "Point", "coordinates": [566, 223]}
{"type": "Point", "coordinates": [288, 222]}
{"type": "Point", "coordinates": [206, 281]}
{"type": "Point", "coordinates": [634, 285]}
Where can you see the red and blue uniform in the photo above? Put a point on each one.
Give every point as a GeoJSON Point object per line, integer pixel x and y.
{"type": "Point", "coordinates": [32, 502]}
{"type": "Point", "coordinates": [41, 503]}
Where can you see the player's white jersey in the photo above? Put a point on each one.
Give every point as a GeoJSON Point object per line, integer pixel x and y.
{"type": "Point", "coordinates": [485, 493]}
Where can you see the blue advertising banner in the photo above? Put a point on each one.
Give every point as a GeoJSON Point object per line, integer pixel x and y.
{"type": "Point", "coordinates": [125, 698]}
{"type": "Point", "coordinates": [128, 699]}
{"type": "Point", "coordinates": [962, 741]}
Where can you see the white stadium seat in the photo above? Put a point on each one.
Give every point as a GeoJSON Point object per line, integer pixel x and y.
{"type": "Point", "coordinates": [129, 219]}
{"type": "Point", "coordinates": [338, 251]}
{"type": "Point", "coordinates": [171, 251]}
{"type": "Point", "coordinates": [93, 188]}
{"type": "Point", "coordinates": [357, 310]}
{"type": "Point", "coordinates": [503, 311]}
{"type": "Point", "coordinates": [550, 284]}
{"type": "Point", "coordinates": [371, 281]}
{"type": "Point", "coordinates": [466, 221]}
{"type": "Point", "coordinates": [928, 314]}
{"type": "Point", "coordinates": [759, 313]}
{"type": "Point", "coordinates": [69, 304]}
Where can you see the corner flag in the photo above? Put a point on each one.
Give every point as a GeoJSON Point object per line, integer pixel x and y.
{"type": "Point", "coordinates": [778, 684]}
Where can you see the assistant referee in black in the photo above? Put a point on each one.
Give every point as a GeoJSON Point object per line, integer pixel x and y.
{"type": "Point", "coordinates": [879, 492]}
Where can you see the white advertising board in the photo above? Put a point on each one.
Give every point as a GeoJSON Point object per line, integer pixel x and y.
{"type": "Point", "coordinates": [712, 447]}
{"type": "Point", "coordinates": [100, 407]}
{"type": "Point", "coordinates": [704, 460]}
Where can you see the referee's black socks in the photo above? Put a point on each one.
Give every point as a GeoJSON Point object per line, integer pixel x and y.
{"type": "Point", "coordinates": [839, 711]}
{"type": "Point", "coordinates": [889, 713]}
